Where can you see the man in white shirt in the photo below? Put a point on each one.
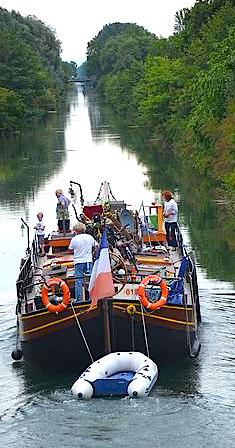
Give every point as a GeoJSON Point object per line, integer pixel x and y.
{"type": "Point", "coordinates": [171, 218]}
{"type": "Point", "coordinates": [82, 245]}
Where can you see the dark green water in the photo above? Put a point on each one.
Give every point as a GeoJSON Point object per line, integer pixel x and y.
{"type": "Point", "coordinates": [192, 404]}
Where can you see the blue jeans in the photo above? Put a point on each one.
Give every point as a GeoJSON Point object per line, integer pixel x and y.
{"type": "Point", "coordinates": [171, 228]}
{"type": "Point", "coordinates": [80, 270]}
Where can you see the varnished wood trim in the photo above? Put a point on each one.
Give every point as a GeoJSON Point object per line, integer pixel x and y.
{"type": "Point", "coordinates": [155, 316]}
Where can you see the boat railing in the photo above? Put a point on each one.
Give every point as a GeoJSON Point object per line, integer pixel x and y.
{"type": "Point", "coordinates": [25, 278]}
{"type": "Point", "coordinates": [35, 250]}
{"type": "Point", "coordinates": [180, 242]}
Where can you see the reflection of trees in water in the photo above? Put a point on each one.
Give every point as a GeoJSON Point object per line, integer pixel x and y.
{"type": "Point", "coordinates": [36, 380]}
{"type": "Point", "coordinates": [186, 377]}
{"type": "Point", "coordinates": [211, 226]}
{"type": "Point", "coordinates": [161, 163]}
{"type": "Point", "coordinates": [94, 112]}
{"type": "Point", "coordinates": [29, 159]}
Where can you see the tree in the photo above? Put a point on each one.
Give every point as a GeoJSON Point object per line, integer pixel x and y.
{"type": "Point", "coordinates": [11, 110]}
{"type": "Point", "coordinates": [162, 82]}
{"type": "Point", "coordinates": [30, 63]}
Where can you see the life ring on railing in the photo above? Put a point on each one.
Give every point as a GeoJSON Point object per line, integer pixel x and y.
{"type": "Point", "coordinates": [55, 281]}
{"type": "Point", "coordinates": [142, 296]}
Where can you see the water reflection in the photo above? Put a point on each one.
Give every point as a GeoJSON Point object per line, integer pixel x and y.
{"type": "Point", "coordinates": [27, 160]}
{"type": "Point", "coordinates": [208, 219]}
{"type": "Point", "coordinates": [162, 166]}
{"type": "Point", "coordinates": [196, 394]}
{"type": "Point", "coordinates": [180, 378]}
{"type": "Point", "coordinates": [89, 134]}
{"type": "Point", "coordinates": [211, 227]}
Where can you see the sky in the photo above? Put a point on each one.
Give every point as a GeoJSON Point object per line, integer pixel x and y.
{"type": "Point", "coordinates": [76, 22]}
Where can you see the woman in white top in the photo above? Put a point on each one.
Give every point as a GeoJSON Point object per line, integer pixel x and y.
{"type": "Point", "coordinates": [82, 245]}
{"type": "Point", "coordinates": [171, 218]}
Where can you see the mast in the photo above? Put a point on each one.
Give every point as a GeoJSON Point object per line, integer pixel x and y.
{"type": "Point", "coordinates": [106, 190]}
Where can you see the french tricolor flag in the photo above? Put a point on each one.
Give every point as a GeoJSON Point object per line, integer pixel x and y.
{"type": "Point", "coordinates": [101, 281]}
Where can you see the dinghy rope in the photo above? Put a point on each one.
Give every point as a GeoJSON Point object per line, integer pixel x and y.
{"type": "Point", "coordinates": [82, 334]}
{"type": "Point", "coordinates": [145, 332]}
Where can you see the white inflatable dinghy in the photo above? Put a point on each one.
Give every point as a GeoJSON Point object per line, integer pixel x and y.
{"type": "Point", "coordinates": [117, 374]}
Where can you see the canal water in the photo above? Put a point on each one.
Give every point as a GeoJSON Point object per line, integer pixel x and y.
{"type": "Point", "coordinates": [193, 403]}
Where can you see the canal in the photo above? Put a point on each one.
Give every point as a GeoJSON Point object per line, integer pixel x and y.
{"type": "Point", "coordinates": [192, 404]}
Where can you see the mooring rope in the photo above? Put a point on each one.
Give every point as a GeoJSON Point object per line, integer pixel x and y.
{"type": "Point", "coordinates": [187, 328]}
{"type": "Point", "coordinates": [194, 314]}
{"type": "Point", "coordinates": [81, 331]}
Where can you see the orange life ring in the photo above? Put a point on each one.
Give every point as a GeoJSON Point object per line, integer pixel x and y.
{"type": "Point", "coordinates": [141, 292]}
{"type": "Point", "coordinates": [55, 281]}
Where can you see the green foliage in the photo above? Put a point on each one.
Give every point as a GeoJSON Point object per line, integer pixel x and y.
{"type": "Point", "coordinates": [82, 71]}
{"type": "Point", "coordinates": [73, 68]}
{"type": "Point", "coordinates": [118, 46]}
{"type": "Point", "coordinates": [210, 94]}
{"type": "Point", "coordinates": [118, 89]}
{"type": "Point", "coordinates": [11, 110]}
{"type": "Point", "coordinates": [158, 88]}
{"type": "Point", "coordinates": [30, 65]}
{"type": "Point", "coordinates": [183, 87]}
{"type": "Point", "coordinates": [24, 74]}
{"type": "Point", "coordinates": [68, 70]}
{"type": "Point", "coordinates": [213, 33]}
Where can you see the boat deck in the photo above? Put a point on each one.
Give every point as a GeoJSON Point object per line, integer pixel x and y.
{"type": "Point", "coordinates": [163, 262]}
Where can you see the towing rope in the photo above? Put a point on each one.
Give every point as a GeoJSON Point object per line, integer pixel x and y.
{"type": "Point", "coordinates": [145, 332]}
{"type": "Point", "coordinates": [81, 331]}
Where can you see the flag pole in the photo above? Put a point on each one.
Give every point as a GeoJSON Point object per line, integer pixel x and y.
{"type": "Point", "coordinates": [101, 287]}
{"type": "Point", "coordinates": [107, 337]}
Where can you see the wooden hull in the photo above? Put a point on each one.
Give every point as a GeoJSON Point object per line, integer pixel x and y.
{"type": "Point", "coordinates": [58, 341]}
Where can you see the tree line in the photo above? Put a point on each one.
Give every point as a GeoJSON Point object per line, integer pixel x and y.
{"type": "Point", "coordinates": [32, 73]}
{"type": "Point", "coordinates": [180, 88]}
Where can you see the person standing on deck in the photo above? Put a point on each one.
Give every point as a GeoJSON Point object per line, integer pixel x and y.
{"type": "Point", "coordinates": [82, 245]}
{"type": "Point", "coordinates": [171, 218]}
{"type": "Point", "coordinates": [62, 213]}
